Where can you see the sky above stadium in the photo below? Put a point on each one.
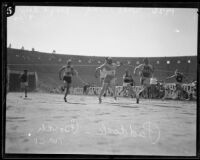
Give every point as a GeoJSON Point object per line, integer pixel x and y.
{"type": "Point", "coordinates": [103, 31]}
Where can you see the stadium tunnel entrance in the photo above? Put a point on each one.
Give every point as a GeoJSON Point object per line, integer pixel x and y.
{"type": "Point", "coordinates": [14, 81]}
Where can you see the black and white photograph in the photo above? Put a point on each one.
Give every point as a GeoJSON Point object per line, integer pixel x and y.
{"type": "Point", "coordinates": [101, 80]}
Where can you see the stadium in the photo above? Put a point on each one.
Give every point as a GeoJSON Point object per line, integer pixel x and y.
{"type": "Point", "coordinates": [110, 124]}
{"type": "Point", "coordinates": [45, 67]}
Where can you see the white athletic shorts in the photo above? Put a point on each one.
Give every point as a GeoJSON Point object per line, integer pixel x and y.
{"type": "Point", "coordinates": [126, 84]}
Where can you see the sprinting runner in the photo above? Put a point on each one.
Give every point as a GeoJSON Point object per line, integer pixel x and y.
{"type": "Point", "coordinates": [24, 82]}
{"type": "Point", "coordinates": [179, 77]}
{"type": "Point", "coordinates": [193, 94]}
{"type": "Point", "coordinates": [102, 77]}
{"type": "Point", "coordinates": [145, 73]}
{"type": "Point", "coordinates": [69, 71]}
{"type": "Point", "coordinates": [109, 79]}
{"type": "Point", "coordinates": [128, 83]}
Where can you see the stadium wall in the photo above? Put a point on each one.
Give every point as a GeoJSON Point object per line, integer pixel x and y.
{"type": "Point", "coordinates": [47, 65]}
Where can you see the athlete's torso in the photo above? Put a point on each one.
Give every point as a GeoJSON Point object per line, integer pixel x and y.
{"type": "Point", "coordinates": [110, 69]}
{"type": "Point", "coordinates": [68, 71]}
{"type": "Point", "coordinates": [146, 71]}
{"type": "Point", "coordinates": [179, 77]}
{"type": "Point", "coordinates": [24, 77]}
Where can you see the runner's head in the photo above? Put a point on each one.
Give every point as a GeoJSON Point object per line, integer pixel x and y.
{"type": "Point", "coordinates": [146, 61]}
{"type": "Point", "coordinates": [109, 60]}
{"type": "Point", "coordinates": [25, 71]}
{"type": "Point", "coordinates": [69, 62]}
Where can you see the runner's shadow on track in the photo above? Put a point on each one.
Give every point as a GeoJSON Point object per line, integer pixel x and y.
{"type": "Point", "coordinates": [166, 106]}
{"type": "Point", "coordinates": [124, 105]}
{"type": "Point", "coordinates": [128, 106]}
{"type": "Point", "coordinates": [76, 103]}
{"type": "Point", "coordinates": [113, 103]}
{"type": "Point", "coordinates": [27, 98]}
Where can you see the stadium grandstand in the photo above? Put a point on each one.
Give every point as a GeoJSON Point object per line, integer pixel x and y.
{"type": "Point", "coordinates": [45, 66]}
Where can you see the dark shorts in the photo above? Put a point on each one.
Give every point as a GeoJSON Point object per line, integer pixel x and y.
{"type": "Point", "coordinates": [146, 75]}
{"type": "Point", "coordinates": [145, 81]}
{"type": "Point", "coordinates": [67, 79]}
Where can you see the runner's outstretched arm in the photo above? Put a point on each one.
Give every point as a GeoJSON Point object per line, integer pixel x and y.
{"type": "Point", "coordinates": [170, 77]}
{"type": "Point", "coordinates": [60, 71]}
{"type": "Point", "coordinates": [98, 68]}
{"type": "Point", "coordinates": [136, 68]}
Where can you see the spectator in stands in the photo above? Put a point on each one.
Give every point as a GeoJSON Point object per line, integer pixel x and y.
{"type": "Point", "coordinates": [194, 85]}
{"type": "Point", "coordinates": [153, 84]}
{"type": "Point", "coordinates": [193, 95]}
{"type": "Point", "coordinates": [160, 91]}
{"type": "Point", "coordinates": [128, 84]}
{"type": "Point", "coordinates": [179, 77]}
{"type": "Point", "coordinates": [69, 71]}
{"type": "Point", "coordinates": [85, 88]}
{"type": "Point", "coordinates": [24, 82]}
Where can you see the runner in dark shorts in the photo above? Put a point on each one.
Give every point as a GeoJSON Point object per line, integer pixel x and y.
{"type": "Point", "coordinates": [128, 84]}
{"type": "Point", "coordinates": [145, 73]}
{"type": "Point", "coordinates": [179, 77]}
{"type": "Point", "coordinates": [69, 71]}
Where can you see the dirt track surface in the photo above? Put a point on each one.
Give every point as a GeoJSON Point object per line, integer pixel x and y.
{"type": "Point", "coordinates": [44, 123]}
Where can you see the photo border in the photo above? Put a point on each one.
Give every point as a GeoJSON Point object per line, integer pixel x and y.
{"type": "Point", "coordinates": [4, 7]}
